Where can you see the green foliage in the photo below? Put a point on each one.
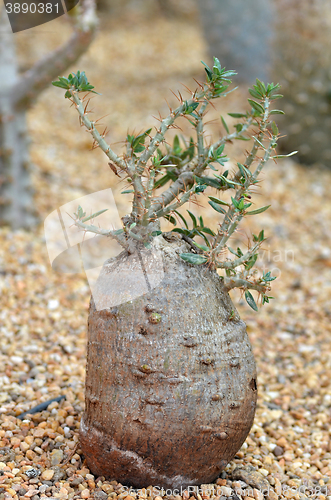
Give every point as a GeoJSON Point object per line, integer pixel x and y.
{"type": "Point", "coordinates": [163, 176]}
{"type": "Point", "coordinates": [138, 143]}
{"type": "Point", "coordinates": [76, 81]}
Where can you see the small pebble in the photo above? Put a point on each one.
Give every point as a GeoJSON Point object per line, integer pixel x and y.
{"type": "Point", "coordinates": [278, 451]}
{"type": "Point", "coordinates": [48, 474]}
{"type": "Point", "coordinates": [56, 457]}
{"type": "Point", "coordinates": [101, 495]}
{"type": "Point", "coordinates": [85, 493]}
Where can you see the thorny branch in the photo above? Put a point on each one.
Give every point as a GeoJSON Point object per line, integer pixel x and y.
{"type": "Point", "coordinates": [184, 172]}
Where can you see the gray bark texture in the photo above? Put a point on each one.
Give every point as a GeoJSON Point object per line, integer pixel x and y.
{"type": "Point", "coordinates": [285, 41]}
{"type": "Point", "coordinates": [171, 379]}
{"type": "Point", "coordinates": [17, 94]}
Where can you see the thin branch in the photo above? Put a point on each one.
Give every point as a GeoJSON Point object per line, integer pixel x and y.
{"type": "Point", "coordinates": [180, 185]}
{"type": "Point", "coordinates": [96, 135]}
{"type": "Point", "coordinates": [90, 228]}
{"type": "Point", "coordinates": [232, 264]}
{"type": "Point", "coordinates": [170, 208]}
{"type": "Point", "coordinates": [237, 282]}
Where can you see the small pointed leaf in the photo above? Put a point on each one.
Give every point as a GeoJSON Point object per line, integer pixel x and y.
{"type": "Point", "coordinates": [250, 300]}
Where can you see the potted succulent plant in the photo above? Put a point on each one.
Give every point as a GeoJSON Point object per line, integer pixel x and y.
{"type": "Point", "coordinates": [171, 380]}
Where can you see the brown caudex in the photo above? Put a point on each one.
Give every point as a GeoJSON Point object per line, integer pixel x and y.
{"type": "Point", "coordinates": [171, 379]}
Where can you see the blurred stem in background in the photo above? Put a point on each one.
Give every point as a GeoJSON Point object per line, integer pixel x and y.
{"type": "Point", "coordinates": [17, 94]}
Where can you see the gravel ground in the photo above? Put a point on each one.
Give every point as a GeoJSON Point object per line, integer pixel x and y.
{"type": "Point", "coordinates": [43, 314]}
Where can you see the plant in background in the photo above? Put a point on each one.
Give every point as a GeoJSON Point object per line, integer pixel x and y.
{"type": "Point", "coordinates": [171, 382]}
{"type": "Point", "coordinates": [17, 94]}
{"type": "Point", "coordinates": [287, 38]}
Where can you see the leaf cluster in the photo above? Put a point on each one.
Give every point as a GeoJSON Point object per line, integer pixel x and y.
{"type": "Point", "coordinates": [76, 81]}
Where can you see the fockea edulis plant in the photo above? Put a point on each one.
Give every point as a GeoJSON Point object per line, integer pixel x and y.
{"type": "Point", "coordinates": [171, 380]}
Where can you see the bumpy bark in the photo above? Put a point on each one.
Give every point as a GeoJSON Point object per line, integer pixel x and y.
{"type": "Point", "coordinates": [287, 41]}
{"type": "Point", "coordinates": [171, 380]}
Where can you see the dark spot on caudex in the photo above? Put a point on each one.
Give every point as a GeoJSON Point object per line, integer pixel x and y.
{"type": "Point", "coordinates": [207, 361]}
{"type": "Point", "coordinates": [142, 331]}
{"type": "Point", "coordinates": [234, 362]}
{"type": "Point", "coordinates": [253, 385]}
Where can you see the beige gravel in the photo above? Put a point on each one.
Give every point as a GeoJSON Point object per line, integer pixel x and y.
{"type": "Point", "coordinates": [43, 314]}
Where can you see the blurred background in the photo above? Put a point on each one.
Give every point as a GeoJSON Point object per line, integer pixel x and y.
{"type": "Point", "coordinates": [141, 50]}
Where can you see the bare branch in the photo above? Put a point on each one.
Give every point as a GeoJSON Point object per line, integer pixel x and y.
{"type": "Point", "coordinates": [237, 282]}
{"type": "Point", "coordinates": [90, 228]}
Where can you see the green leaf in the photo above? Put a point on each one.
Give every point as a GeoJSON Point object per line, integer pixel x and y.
{"type": "Point", "coordinates": [286, 156]}
{"type": "Point", "coordinates": [250, 300]}
{"type": "Point", "coordinates": [207, 230]}
{"type": "Point", "coordinates": [181, 217]}
{"type": "Point", "coordinates": [156, 233]}
{"type": "Point", "coordinates": [127, 191]}
{"type": "Point", "coordinates": [211, 182]}
{"type": "Point", "coordinates": [258, 210]}
{"type": "Point", "coordinates": [265, 299]}
{"type": "Point", "coordinates": [274, 128]}
{"type": "Point", "coordinates": [118, 232]}
{"type": "Point", "coordinates": [225, 125]}
{"type": "Point", "coordinates": [216, 207]}
{"type": "Point", "coordinates": [176, 146]}
{"type": "Point", "coordinates": [202, 247]}
{"type": "Point", "coordinates": [239, 252]}
{"type": "Point", "coordinates": [96, 214]}
{"type": "Point", "coordinates": [162, 181]}
{"type": "Point", "coordinates": [194, 220]}
{"type": "Point", "coordinates": [261, 86]}
{"type": "Point", "coordinates": [219, 202]}
{"type": "Point", "coordinates": [237, 115]}
{"type": "Point", "coordinates": [255, 94]}
{"type": "Point", "coordinates": [227, 181]}
{"type": "Point", "coordinates": [260, 237]}
{"type": "Point", "coordinates": [194, 258]}
{"type": "Point", "coordinates": [61, 85]}
{"type": "Point", "coordinates": [233, 252]}
{"type": "Point", "coordinates": [200, 188]}
{"type": "Point", "coordinates": [251, 261]}
{"type": "Point", "coordinates": [181, 231]}
{"type": "Point", "coordinates": [171, 219]}
{"type": "Point", "coordinates": [256, 106]}
{"type": "Point", "coordinates": [80, 212]}
{"type": "Point", "coordinates": [235, 203]}
{"type": "Point", "coordinates": [147, 245]}
{"type": "Point", "coordinates": [208, 71]}
{"type": "Point", "coordinates": [276, 112]}
{"type": "Point", "coordinates": [244, 170]}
